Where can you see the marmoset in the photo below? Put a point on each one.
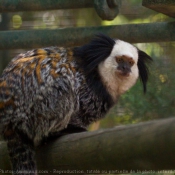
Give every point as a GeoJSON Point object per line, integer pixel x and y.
{"type": "Point", "coordinates": [44, 91]}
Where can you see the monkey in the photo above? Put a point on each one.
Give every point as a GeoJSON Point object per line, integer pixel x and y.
{"type": "Point", "coordinates": [47, 91]}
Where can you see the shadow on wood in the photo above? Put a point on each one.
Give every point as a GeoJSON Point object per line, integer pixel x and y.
{"type": "Point", "coordinates": [146, 146]}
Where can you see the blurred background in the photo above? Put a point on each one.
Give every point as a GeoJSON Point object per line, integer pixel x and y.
{"type": "Point", "coordinates": [134, 106]}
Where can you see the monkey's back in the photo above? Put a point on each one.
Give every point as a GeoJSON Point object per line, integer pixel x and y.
{"type": "Point", "coordinates": [38, 92]}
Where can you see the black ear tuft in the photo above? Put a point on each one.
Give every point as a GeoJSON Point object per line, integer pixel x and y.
{"type": "Point", "coordinates": [94, 52]}
{"type": "Point", "coordinates": [89, 56]}
{"type": "Point", "coordinates": [143, 59]}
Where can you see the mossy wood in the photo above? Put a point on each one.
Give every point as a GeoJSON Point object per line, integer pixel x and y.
{"type": "Point", "coordinates": [166, 7]}
{"type": "Point", "coordinates": [144, 146]}
{"type": "Point", "coordinates": [134, 33]}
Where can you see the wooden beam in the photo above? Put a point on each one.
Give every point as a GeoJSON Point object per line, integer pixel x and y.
{"type": "Point", "coordinates": [166, 7]}
{"type": "Point", "coordinates": [133, 33]}
{"type": "Point", "coordinates": [145, 147]}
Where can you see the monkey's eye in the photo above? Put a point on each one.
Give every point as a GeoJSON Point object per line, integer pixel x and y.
{"type": "Point", "coordinates": [119, 59]}
{"type": "Point", "coordinates": [131, 62]}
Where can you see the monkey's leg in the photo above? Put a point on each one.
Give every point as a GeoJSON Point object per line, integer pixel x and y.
{"type": "Point", "coordinates": [71, 129]}
{"type": "Point", "coordinates": [21, 154]}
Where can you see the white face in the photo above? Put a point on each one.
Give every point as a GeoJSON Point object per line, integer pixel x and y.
{"type": "Point", "coordinates": [120, 71]}
{"type": "Point", "coordinates": [122, 52]}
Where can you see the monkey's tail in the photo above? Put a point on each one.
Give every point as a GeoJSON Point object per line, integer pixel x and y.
{"type": "Point", "coordinates": [21, 153]}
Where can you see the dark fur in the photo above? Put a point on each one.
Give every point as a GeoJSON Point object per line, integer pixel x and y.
{"type": "Point", "coordinates": [90, 56]}
{"type": "Point", "coordinates": [143, 69]}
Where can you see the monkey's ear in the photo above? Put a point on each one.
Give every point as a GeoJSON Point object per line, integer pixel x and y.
{"type": "Point", "coordinates": [96, 51]}
{"type": "Point", "coordinates": [143, 60]}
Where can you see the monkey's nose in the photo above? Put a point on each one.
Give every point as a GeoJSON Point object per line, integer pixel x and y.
{"type": "Point", "coordinates": [124, 68]}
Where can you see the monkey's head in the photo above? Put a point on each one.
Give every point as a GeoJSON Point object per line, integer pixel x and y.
{"type": "Point", "coordinates": [118, 63]}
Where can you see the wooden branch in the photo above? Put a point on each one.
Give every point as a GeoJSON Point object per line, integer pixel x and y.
{"type": "Point", "coordinates": [146, 146]}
